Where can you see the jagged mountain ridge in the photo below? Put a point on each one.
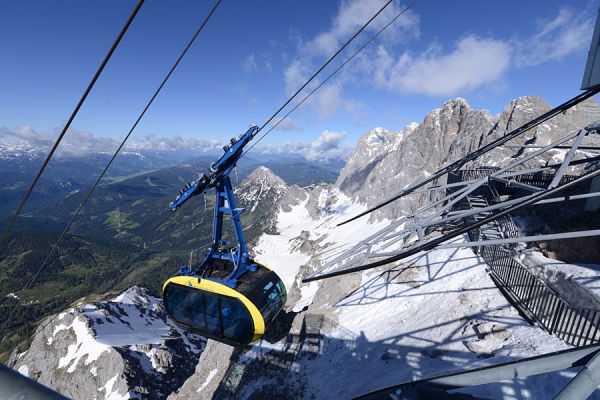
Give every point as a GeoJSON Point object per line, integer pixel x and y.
{"type": "Point", "coordinates": [263, 194]}
{"type": "Point", "coordinates": [447, 134]}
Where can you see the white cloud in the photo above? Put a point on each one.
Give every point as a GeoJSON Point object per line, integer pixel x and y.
{"type": "Point", "coordinates": [327, 100]}
{"type": "Point", "coordinates": [74, 143]}
{"type": "Point", "coordinates": [555, 38]}
{"type": "Point", "coordinates": [328, 146]}
{"type": "Point", "coordinates": [475, 61]}
{"type": "Point", "coordinates": [295, 75]}
{"type": "Point", "coordinates": [472, 63]}
{"type": "Point", "coordinates": [252, 63]}
{"type": "Point", "coordinates": [350, 16]}
{"type": "Point", "coordinates": [176, 143]}
{"type": "Point", "coordinates": [23, 135]}
{"type": "Point", "coordinates": [249, 64]}
{"type": "Point", "coordinates": [330, 99]}
{"type": "Point", "coordinates": [80, 143]}
{"type": "Point", "coordinates": [286, 124]}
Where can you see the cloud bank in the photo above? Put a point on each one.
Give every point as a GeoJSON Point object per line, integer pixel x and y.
{"type": "Point", "coordinates": [81, 143]}
{"type": "Point", "coordinates": [328, 146]}
{"type": "Point", "coordinates": [472, 63]}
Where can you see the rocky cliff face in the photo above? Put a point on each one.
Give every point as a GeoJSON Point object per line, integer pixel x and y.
{"type": "Point", "coordinates": [122, 348]}
{"type": "Point", "coordinates": [261, 188]}
{"type": "Point", "coordinates": [384, 162]}
{"type": "Point", "coordinates": [526, 108]}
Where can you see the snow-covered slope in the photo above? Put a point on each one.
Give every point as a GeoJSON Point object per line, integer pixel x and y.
{"type": "Point", "coordinates": [123, 348]}
{"type": "Point", "coordinates": [262, 193]}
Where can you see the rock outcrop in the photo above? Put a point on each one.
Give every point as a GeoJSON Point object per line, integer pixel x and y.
{"type": "Point", "coordinates": [126, 347]}
{"type": "Point", "coordinates": [210, 371]}
{"type": "Point", "coordinates": [384, 162]}
{"type": "Point", "coordinates": [262, 193]}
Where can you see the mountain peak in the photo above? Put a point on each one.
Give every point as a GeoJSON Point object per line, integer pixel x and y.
{"type": "Point", "coordinates": [264, 176]}
{"type": "Point", "coordinates": [409, 128]}
{"type": "Point", "coordinates": [262, 188]}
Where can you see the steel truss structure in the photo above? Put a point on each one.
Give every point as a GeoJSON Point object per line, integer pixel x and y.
{"type": "Point", "coordinates": [460, 208]}
{"type": "Point", "coordinates": [421, 229]}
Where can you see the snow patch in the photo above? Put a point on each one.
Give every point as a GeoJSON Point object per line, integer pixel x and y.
{"type": "Point", "coordinates": [24, 370]}
{"type": "Point", "coordinates": [308, 293]}
{"type": "Point", "coordinates": [85, 346]}
{"type": "Point", "coordinates": [57, 329]}
{"type": "Point", "coordinates": [275, 251]}
{"type": "Point", "coordinates": [110, 394]}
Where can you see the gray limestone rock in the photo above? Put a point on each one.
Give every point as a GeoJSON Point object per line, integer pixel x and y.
{"type": "Point", "coordinates": [383, 162]}
{"type": "Point", "coordinates": [446, 134]}
{"type": "Point", "coordinates": [126, 345]}
{"type": "Point", "coordinates": [210, 371]}
{"type": "Point", "coordinates": [263, 193]}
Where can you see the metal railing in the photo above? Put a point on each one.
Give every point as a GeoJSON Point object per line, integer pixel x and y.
{"type": "Point", "coordinates": [528, 293]}
{"type": "Point", "coordinates": [197, 256]}
{"type": "Point", "coordinates": [539, 179]}
{"type": "Point", "coordinates": [576, 326]}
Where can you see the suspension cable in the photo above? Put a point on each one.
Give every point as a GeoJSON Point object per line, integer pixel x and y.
{"type": "Point", "coordinates": [91, 191]}
{"type": "Point", "coordinates": [72, 117]}
{"type": "Point", "coordinates": [333, 73]}
{"type": "Point", "coordinates": [324, 65]}
{"type": "Point", "coordinates": [404, 253]}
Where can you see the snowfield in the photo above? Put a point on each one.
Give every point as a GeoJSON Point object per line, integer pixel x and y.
{"type": "Point", "coordinates": [434, 313]}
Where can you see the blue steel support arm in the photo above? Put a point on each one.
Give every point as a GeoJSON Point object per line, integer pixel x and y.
{"type": "Point", "coordinates": [218, 177]}
{"type": "Point", "coordinates": [219, 169]}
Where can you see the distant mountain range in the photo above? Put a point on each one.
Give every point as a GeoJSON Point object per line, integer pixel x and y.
{"type": "Point", "coordinates": [66, 176]}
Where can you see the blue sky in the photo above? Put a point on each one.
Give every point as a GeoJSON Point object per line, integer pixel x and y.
{"type": "Point", "coordinates": [252, 54]}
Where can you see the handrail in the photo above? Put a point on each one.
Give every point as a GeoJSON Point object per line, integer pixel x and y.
{"type": "Point", "coordinates": [528, 293]}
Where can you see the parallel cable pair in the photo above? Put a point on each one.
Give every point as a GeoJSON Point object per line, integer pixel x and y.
{"type": "Point", "coordinates": [361, 48]}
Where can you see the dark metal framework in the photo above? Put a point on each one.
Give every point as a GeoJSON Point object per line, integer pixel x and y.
{"type": "Point", "coordinates": [412, 233]}
{"type": "Point", "coordinates": [491, 234]}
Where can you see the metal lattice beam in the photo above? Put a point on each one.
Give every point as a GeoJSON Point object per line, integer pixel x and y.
{"type": "Point", "coordinates": [440, 212]}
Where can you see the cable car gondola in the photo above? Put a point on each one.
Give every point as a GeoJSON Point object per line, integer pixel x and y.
{"type": "Point", "coordinates": [233, 316]}
{"type": "Point", "coordinates": [227, 297]}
